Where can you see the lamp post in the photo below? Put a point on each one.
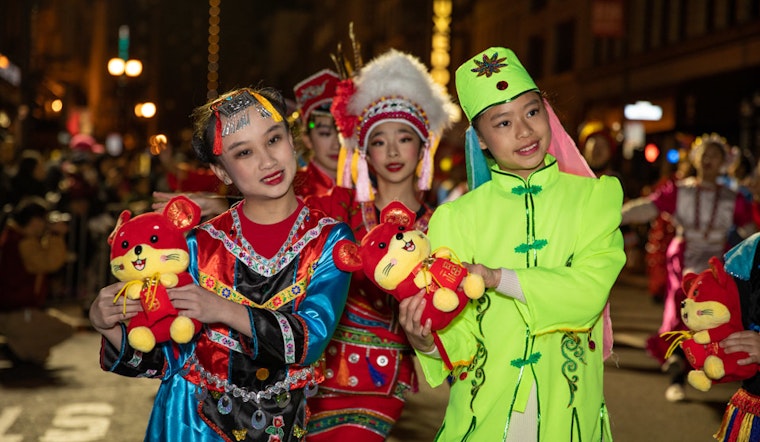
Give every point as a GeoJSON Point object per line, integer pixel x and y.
{"type": "Point", "coordinates": [122, 68]}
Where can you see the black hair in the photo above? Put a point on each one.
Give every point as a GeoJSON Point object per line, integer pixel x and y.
{"type": "Point", "coordinates": [28, 209]}
{"type": "Point", "coordinates": [204, 120]}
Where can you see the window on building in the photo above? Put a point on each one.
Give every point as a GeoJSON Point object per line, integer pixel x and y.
{"type": "Point", "coordinates": [564, 46]}
{"type": "Point", "coordinates": [535, 59]}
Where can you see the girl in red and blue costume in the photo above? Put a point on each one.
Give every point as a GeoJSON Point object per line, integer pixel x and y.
{"type": "Point", "coordinates": [268, 292]}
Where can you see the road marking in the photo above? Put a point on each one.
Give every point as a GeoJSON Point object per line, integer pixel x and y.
{"type": "Point", "coordinates": [82, 422]}
{"type": "Point", "coordinates": [7, 418]}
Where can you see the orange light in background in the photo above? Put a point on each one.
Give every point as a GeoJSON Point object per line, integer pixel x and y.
{"type": "Point", "coordinates": [145, 110]}
{"type": "Point", "coordinates": [445, 164]}
{"type": "Point", "coordinates": [651, 152]}
{"type": "Point", "coordinates": [157, 143]}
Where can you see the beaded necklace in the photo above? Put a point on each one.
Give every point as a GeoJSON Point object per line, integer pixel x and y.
{"type": "Point", "coordinates": [713, 212]}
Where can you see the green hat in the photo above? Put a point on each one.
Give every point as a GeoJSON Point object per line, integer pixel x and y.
{"type": "Point", "coordinates": [494, 76]}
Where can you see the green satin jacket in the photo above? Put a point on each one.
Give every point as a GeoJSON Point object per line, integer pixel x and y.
{"type": "Point", "coordinates": [560, 234]}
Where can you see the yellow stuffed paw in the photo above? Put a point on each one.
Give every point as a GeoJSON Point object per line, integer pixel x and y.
{"type": "Point", "coordinates": [699, 380]}
{"type": "Point", "coordinates": [474, 286]}
{"type": "Point", "coordinates": [182, 330]}
{"type": "Point", "coordinates": [141, 338]}
{"type": "Point", "coordinates": [445, 299]}
{"type": "Point", "coordinates": [714, 368]}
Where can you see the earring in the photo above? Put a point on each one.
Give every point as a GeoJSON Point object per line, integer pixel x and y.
{"type": "Point", "coordinates": [227, 181]}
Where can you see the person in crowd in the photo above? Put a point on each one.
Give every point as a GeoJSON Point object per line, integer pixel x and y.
{"type": "Point", "coordinates": [599, 148]}
{"type": "Point", "coordinates": [703, 212]}
{"type": "Point", "coordinates": [32, 247]}
{"type": "Point", "coordinates": [268, 293]}
{"type": "Point", "coordinates": [739, 178]}
{"type": "Point", "coordinates": [391, 116]}
{"type": "Point", "coordinates": [29, 177]}
{"type": "Point", "coordinates": [314, 96]}
{"type": "Point", "coordinates": [527, 358]}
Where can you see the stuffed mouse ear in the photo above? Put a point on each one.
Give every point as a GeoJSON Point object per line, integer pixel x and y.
{"type": "Point", "coordinates": [123, 217]}
{"type": "Point", "coordinates": [346, 255]}
{"type": "Point", "coordinates": [182, 212]}
{"type": "Point", "coordinates": [716, 266]}
{"type": "Point", "coordinates": [397, 213]}
{"type": "Point", "coordinates": [688, 281]}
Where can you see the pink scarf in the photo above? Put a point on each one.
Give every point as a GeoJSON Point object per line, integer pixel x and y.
{"type": "Point", "coordinates": [569, 160]}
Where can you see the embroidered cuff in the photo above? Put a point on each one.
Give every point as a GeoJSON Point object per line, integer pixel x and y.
{"type": "Point", "coordinates": [509, 285]}
{"type": "Point", "coordinates": [434, 353]}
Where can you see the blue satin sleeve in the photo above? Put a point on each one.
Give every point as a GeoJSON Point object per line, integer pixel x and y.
{"type": "Point", "coordinates": [192, 247]}
{"type": "Point", "coordinates": [739, 260]}
{"type": "Point", "coordinates": [325, 296]}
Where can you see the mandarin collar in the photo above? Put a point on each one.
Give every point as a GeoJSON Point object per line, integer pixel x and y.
{"type": "Point", "coordinates": [544, 176]}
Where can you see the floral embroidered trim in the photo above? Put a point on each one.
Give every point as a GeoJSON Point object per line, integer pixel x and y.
{"type": "Point", "coordinates": [535, 245]}
{"type": "Point", "coordinates": [224, 340]}
{"type": "Point", "coordinates": [284, 247]}
{"type": "Point", "coordinates": [532, 189]}
{"type": "Point", "coordinates": [283, 297]}
{"type": "Point", "coordinates": [289, 344]}
{"type": "Point", "coordinates": [366, 339]}
{"type": "Point", "coordinates": [365, 322]}
{"type": "Point", "coordinates": [365, 418]}
{"type": "Point", "coordinates": [259, 264]}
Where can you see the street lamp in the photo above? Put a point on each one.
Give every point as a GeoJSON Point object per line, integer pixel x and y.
{"type": "Point", "coordinates": [118, 67]}
{"type": "Point", "coordinates": [123, 65]}
{"type": "Point", "coordinates": [123, 68]}
{"type": "Point", "coordinates": [145, 110]}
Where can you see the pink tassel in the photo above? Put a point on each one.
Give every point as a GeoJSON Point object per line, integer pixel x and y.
{"type": "Point", "coordinates": [426, 170]}
{"type": "Point", "coordinates": [363, 192]}
{"type": "Point", "coordinates": [345, 156]}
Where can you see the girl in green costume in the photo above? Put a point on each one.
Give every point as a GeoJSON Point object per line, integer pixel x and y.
{"type": "Point", "coordinates": [527, 358]}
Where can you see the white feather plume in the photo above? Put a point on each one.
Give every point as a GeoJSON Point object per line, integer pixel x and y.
{"type": "Point", "coordinates": [401, 74]}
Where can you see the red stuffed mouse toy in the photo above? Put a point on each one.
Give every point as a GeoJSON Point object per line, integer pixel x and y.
{"type": "Point", "coordinates": [398, 259]}
{"type": "Point", "coordinates": [712, 312]}
{"type": "Point", "coordinates": [150, 254]}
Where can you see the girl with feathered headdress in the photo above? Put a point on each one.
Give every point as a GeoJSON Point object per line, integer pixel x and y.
{"type": "Point", "coordinates": [391, 116]}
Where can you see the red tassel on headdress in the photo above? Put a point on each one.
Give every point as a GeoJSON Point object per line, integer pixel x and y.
{"type": "Point", "coordinates": [218, 135]}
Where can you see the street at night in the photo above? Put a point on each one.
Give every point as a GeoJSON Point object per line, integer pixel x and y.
{"type": "Point", "coordinates": [74, 401]}
{"type": "Point", "coordinates": [541, 144]}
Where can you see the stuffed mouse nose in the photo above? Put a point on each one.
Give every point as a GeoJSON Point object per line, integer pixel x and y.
{"type": "Point", "coordinates": [399, 236]}
{"type": "Point", "coordinates": [138, 250]}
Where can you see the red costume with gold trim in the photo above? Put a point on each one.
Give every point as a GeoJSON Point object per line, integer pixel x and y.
{"type": "Point", "coordinates": [368, 361]}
